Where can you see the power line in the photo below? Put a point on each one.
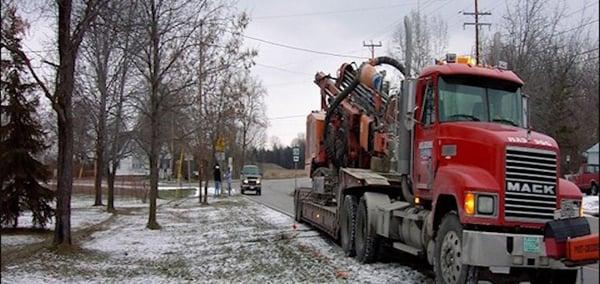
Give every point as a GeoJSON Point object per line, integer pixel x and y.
{"type": "Point", "coordinates": [282, 69]}
{"type": "Point", "coordinates": [584, 7]}
{"type": "Point", "coordinates": [577, 27]}
{"type": "Point", "coordinates": [477, 24]}
{"type": "Point", "coordinates": [330, 12]}
{"type": "Point", "coordinates": [586, 52]}
{"type": "Point", "coordinates": [287, 117]}
{"type": "Point", "coordinates": [299, 48]}
{"type": "Point", "coordinates": [287, 83]}
{"type": "Point", "coordinates": [372, 47]}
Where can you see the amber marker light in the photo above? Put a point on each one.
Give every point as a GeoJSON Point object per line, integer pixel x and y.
{"type": "Point", "coordinates": [469, 205]}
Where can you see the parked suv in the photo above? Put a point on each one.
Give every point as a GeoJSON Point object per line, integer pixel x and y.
{"type": "Point", "coordinates": [587, 178]}
{"type": "Point", "coordinates": [250, 179]}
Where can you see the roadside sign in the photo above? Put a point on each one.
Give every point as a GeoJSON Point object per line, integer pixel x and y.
{"type": "Point", "coordinates": [220, 145]}
{"type": "Point", "coordinates": [296, 154]}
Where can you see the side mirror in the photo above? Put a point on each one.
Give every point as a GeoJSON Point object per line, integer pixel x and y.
{"type": "Point", "coordinates": [410, 118]}
{"type": "Point", "coordinates": [409, 90]}
{"type": "Point", "coordinates": [525, 102]}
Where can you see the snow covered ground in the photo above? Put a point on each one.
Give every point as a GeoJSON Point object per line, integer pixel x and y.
{"type": "Point", "coordinates": [83, 215]}
{"type": "Point", "coordinates": [590, 205]}
{"type": "Point", "coordinates": [231, 240]}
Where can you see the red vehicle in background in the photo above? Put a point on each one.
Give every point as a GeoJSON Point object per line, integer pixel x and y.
{"type": "Point", "coordinates": [587, 178]}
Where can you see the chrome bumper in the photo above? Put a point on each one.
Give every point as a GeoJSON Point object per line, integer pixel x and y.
{"type": "Point", "coordinates": [501, 251]}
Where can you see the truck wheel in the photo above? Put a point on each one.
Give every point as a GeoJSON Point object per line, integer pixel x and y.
{"type": "Point", "coordinates": [243, 191]}
{"type": "Point", "coordinates": [366, 241]}
{"type": "Point", "coordinates": [348, 225]}
{"type": "Point", "coordinates": [447, 266]}
{"type": "Point", "coordinates": [297, 207]}
{"type": "Point", "coordinates": [594, 189]}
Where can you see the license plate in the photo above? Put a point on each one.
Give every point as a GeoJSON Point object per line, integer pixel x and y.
{"type": "Point", "coordinates": [531, 245]}
{"type": "Point", "coordinates": [252, 187]}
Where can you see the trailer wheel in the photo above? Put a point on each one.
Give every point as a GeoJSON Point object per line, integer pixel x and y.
{"type": "Point", "coordinates": [594, 189]}
{"type": "Point", "coordinates": [447, 266]}
{"type": "Point", "coordinates": [297, 207]}
{"type": "Point", "coordinates": [348, 225]}
{"type": "Point", "coordinates": [366, 242]}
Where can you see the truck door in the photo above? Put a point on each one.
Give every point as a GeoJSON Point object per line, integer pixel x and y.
{"type": "Point", "coordinates": [424, 154]}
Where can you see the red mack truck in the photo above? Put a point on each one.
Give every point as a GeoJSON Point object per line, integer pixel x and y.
{"type": "Point", "coordinates": [446, 168]}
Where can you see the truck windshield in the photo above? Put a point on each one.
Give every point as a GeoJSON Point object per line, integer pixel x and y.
{"type": "Point", "coordinates": [459, 101]}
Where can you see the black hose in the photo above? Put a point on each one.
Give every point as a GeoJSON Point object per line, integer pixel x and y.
{"type": "Point", "coordinates": [389, 61]}
{"type": "Point", "coordinates": [341, 96]}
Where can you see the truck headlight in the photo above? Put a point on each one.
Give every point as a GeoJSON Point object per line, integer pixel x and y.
{"type": "Point", "coordinates": [570, 208]}
{"type": "Point", "coordinates": [479, 203]}
{"type": "Point", "coordinates": [257, 181]}
{"type": "Point", "coordinates": [246, 181]}
{"type": "Point", "coordinates": [485, 204]}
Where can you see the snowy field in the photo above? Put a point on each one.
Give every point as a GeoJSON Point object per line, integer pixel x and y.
{"type": "Point", "coordinates": [231, 240]}
{"type": "Point", "coordinates": [83, 215]}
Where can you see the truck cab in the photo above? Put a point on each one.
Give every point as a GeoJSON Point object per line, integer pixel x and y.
{"type": "Point", "coordinates": [587, 178]}
{"type": "Point", "coordinates": [473, 140]}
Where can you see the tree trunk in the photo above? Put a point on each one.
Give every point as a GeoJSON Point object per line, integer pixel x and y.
{"type": "Point", "coordinates": [154, 119]}
{"type": "Point", "coordinates": [99, 168]}
{"type": "Point", "coordinates": [64, 182]}
{"type": "Point", "coordinates": [200, 178]}
{"type": "Point", "coordinates": [110, 202]}
{"type": "Point", "coordinates": [154, 156]}
{"type": "Point", "coordinates": [205, 166]}
{"type": "Point", "coordinates": [101, 133]}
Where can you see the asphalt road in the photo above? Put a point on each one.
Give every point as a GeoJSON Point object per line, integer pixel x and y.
{"type": "Point", "coordinates": [278, 194]}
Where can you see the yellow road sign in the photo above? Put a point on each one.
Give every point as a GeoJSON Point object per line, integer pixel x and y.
{"type": "Point", "coordinates": [220, 145]}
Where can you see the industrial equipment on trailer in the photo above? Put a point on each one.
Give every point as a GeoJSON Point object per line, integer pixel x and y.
{"type": "Point", "coordinates": [446, 168]}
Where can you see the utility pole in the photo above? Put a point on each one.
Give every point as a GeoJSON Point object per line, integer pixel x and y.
{"type": "Point", "coordinates": [372, 47]}
{"type": "Point", "coordinates": [476, 24]}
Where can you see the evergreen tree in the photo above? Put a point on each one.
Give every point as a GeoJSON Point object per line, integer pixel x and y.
{"type": "Point", "coordinates": [21, 135]}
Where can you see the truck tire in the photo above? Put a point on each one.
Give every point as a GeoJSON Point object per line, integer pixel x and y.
{"type": "Point", "coordinates": [297, 207]}
{"type": "Point", "coordinates": [594, 189]}
{"type": "Point", "coordinates": [447, 264]}
{"type": "Point", "coordinates": [348, 225]}
{"type": "Point", "coordinates": [366, 241]}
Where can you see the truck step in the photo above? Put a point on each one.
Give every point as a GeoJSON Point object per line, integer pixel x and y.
{"type": "Point", "coordinates": [406, 248]}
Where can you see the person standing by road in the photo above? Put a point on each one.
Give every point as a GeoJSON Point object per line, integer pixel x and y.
{"type": "Point", "coordinates": [228, 180]}
{"type": "Point", "coordinates": [217, 178]}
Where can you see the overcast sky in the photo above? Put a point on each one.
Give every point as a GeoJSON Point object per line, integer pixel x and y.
{"type": "Point", "coordinates": [339, 27]}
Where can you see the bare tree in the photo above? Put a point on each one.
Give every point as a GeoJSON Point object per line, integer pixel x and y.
{"type": "Point", "coordinates": [253, 120]}
{"type": "Point", "coordinates": [71, 31]}
{"type": "Point", "coordinates": [165, 32]}
{"type": "Point", "coordinates": [534, 41]}
{"type": "Point", "coordinates": [429, 40]}
{"type": "Point", "coordinates": [119, 146]}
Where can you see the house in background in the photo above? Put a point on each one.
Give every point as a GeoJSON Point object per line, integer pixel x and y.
{"type": "Point", "coordinates": [134, 165]}
{"type": "Point", "coordinates": [138, 165]}
{"type": "Point", "coordinates": [592, 155]}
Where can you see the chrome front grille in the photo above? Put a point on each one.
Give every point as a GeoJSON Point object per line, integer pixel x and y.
{"type": "Point", "coordinates": [530, 186]}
